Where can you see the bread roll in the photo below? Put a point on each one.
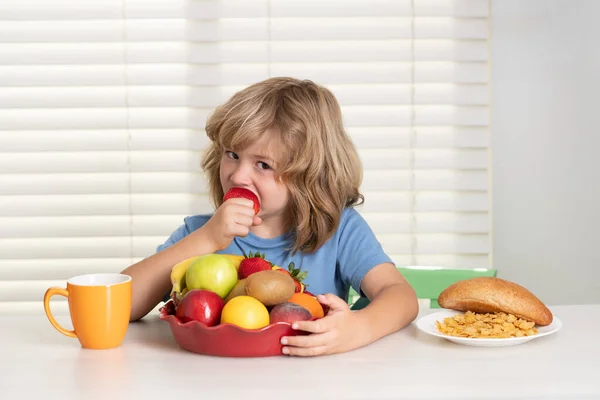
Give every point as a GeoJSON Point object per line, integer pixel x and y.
{"type": "Point", "coordinates": [488, 295]}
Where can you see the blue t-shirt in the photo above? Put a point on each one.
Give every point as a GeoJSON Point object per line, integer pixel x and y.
{"type": "Point", "coordinates": [341, 262]}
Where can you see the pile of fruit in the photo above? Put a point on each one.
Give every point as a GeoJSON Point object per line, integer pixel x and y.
{"type": "Point", "coordinates": [247, 291]}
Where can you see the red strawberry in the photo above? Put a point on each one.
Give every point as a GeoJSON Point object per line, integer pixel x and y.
{"type": "Point", "coordinates": [238, 192]}
{"type": "Point", "coordinates": [297, 275]}
{"type": "Point", "coordinates": [299, 286]}
{"type": "Point", "coordinates": [253, 263]}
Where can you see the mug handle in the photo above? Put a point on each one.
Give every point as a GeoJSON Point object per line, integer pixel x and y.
{"type": "Point", "coordinates": [49, 293]}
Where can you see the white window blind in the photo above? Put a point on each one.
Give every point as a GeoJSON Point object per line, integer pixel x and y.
{"type": "Point", "coordinates": [103, 105]}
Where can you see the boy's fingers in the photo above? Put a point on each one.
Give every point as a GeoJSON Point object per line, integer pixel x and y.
{"type": "Point", "coordinates": [305, 351]}
{"type": "Point", "coordinates": [316, 326]}
{"type": "Point", "coordinates": [316, 340]}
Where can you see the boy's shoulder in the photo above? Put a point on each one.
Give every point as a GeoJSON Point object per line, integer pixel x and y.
{"type": "Point", "coordinates": [351, 217]}
{"type": "Point", "coordinates": [194, 222]}
{"type": "Point", "coordinates": [190, 224]}
{"type": "Point", "coordinates": [352, 224]}
{"type": "Point", "coordinates": [349, 213]}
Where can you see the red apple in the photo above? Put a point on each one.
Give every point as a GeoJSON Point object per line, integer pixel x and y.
{"type": "Point", "coordinates": [201, 305]}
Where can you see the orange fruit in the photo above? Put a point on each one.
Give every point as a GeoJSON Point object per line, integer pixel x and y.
{"type": "Point", "coordinates": [245, 312]}
{"type": "Point", "coordinates": [309, 302]}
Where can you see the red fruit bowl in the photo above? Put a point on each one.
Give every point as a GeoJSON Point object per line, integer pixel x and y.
{"type": "Point", "coordinates": [227, 340]}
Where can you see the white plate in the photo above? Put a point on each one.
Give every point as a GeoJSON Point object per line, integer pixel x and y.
{"type": "Point", "coordinates": [427, 325]}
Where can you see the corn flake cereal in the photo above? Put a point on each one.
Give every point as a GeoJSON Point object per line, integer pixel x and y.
{"type": "Point", "coordinates": [490, 325]}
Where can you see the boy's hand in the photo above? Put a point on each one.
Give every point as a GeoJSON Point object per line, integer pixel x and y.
{"type": "Point", "coordinates": [339, 331]}
{"type": "Point", "coordinates": [233, 218]}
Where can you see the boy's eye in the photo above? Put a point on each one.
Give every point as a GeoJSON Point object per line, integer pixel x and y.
{"type": "Point", "coordinates": [231, 155]}
{"type": "Point", "coordinates": [263, 165]}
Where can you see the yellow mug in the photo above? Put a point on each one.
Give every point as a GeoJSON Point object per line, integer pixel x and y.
{"type": "Point", "coordinates": [100, 307]}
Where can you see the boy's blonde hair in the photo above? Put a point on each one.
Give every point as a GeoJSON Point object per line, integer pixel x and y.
{"type": "Point", "coordinates": [322, 170]}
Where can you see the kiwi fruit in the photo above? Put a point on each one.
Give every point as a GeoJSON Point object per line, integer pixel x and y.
{"type": "Point", "coordinates": [270, 287]}
{"type": "Point", "coordinates": [238, 290]}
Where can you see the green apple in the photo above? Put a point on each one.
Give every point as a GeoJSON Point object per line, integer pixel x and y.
{"type": "Point", "coordinates": [214, 272]}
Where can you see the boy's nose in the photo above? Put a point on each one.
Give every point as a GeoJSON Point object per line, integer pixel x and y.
{"type": "Point", "coordinates": [241, 175]}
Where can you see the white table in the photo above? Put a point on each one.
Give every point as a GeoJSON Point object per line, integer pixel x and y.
{"type": "Point", "coordinates": [36, 360]}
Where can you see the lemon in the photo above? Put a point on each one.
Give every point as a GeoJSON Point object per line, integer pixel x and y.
{"type": "Point", "coordinates": [245, 312]}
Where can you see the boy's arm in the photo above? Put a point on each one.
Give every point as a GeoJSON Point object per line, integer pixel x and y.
{"type": "Point", "coordinates": [393, 306]}
{"type": "Point", "coordinates": [151, 276]}
{"type": "Point", "coordinates": [393, 302]}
